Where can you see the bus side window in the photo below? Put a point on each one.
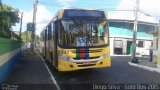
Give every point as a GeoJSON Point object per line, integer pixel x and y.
{"type": "Point", "coordinates": [49, 32]}
{"type": "Point", "coordinates": [56, 29]}
{"type": "Point", "coordinates": [45, 34]}
{"type": "Point", "coordinates": [52, 30]}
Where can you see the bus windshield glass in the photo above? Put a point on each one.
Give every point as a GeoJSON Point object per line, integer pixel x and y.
{"type": "Point", "coordinates": [82, 33]}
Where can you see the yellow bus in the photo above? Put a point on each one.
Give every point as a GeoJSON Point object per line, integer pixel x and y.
{"type": "Point", "coordinates": [77, 39]}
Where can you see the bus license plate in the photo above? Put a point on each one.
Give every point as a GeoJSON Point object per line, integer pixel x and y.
{"type": "Point", "coordinates": [86, 63]}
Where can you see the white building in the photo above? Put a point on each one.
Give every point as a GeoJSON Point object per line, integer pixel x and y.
{"type": "Point", "coordinates": [121, 34]}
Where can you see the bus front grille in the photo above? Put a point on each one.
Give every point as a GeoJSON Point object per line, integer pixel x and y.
{"type": "Point", "coordinates": [88, 58]}
{"type": "Point", "coordinates": [89, 51]}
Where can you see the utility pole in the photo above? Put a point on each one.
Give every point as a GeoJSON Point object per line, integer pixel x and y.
{"type": "Point", "coordinates": [159, 37]}
{"type": "Point", "coordinates": [133, 58]}
{"type": "Point", "coordinates": [34, 22]}
{"type": "Point", "coordinates": [20, 33]}
{"type": "Point", "coordinates": [158, 56]}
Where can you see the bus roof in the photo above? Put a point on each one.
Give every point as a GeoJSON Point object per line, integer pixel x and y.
{"type": "Point", "coordinates": [60, 13]}
{"type": "Point", "coordinates": [80, 12]}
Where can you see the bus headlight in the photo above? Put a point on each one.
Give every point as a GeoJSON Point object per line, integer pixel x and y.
{"type": "Point", "coordinates": [66, 58]}
{"type": "Point", "coordinates": [63, 51]}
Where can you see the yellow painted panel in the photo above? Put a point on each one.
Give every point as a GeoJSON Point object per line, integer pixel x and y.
{"type": "Point", "coordinates": [158, 59]}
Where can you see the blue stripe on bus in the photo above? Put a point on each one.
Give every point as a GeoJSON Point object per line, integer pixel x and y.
{"type": "Point", "coordinates": [86, 53]}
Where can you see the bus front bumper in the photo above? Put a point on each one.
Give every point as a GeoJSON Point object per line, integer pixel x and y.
{"type": "Point", "coordinates": [72, 66]}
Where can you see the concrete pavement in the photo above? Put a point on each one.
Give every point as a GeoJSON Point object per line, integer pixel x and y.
{"type": "Point", "coordinates": [30, 73]}
{"type": "Point", "coordinates": [146, 64]}
{"type": "Point", "coordinates": [119, 73]}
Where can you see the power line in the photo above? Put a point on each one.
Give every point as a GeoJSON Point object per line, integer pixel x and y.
{"type": "Point", "coordinates": [108, 9]}
{"type": "Point", "coordinates": [82, 3]}
{"type": "Point", "coordinates": [91, 5]}
{"type": "Point", "coordinates": [56, 4]}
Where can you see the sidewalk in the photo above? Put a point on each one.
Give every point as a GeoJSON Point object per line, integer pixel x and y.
{"type": "Point", "coordinates": [30, 73]}
{"type": "Point", "coordinates": [146, 64]}
{"type": "Point", "coordinates": [125, 55]}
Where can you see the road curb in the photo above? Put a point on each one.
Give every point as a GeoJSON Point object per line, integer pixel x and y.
{"type": "Point", "coordinates": [125, 55]}
{"type": "Point", "coordinates": [51, 76]}
{"type": "Point", "coordinates": [145, 67]}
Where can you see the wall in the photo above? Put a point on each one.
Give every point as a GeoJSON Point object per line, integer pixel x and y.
{"type": "Point", "coordinates": [116, 31]}
{"type": "Point", "coordinates": [144, 50]}
{"type": "Point", "coordinates": [123, 31]}
{"type": "Point", "coordinates": [111, 45]}
{"type": "Point", "coordinates": [9, 52]}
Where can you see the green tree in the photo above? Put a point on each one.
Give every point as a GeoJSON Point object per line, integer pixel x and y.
{"type": "Point", "coordinates": [26, 36]}
{"type": "Point", "coordinates": [37, 39]}
{"type": "Point", "coordinates": [8, 17]}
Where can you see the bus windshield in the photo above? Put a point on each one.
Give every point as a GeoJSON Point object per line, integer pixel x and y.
{"type": "Point", "coordinates": [81, 33]}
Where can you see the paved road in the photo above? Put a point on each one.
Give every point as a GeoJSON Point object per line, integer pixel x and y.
{"type": "Point", "coordinates": [119, 73]}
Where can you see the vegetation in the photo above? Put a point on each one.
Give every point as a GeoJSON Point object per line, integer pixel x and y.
{"type": "Point", "coordinates": [8, 18]}
{"type": "Point", "coordinates": [26, 37]}
{"type": "Point", "coordinates": [37, 39]}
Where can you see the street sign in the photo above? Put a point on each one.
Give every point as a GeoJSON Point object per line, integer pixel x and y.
{"type": "Point", "coordinates": [30, 26]}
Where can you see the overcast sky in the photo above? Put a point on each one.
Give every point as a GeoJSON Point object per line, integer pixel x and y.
{"type": "Point", "coordinates": [48, 8]}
